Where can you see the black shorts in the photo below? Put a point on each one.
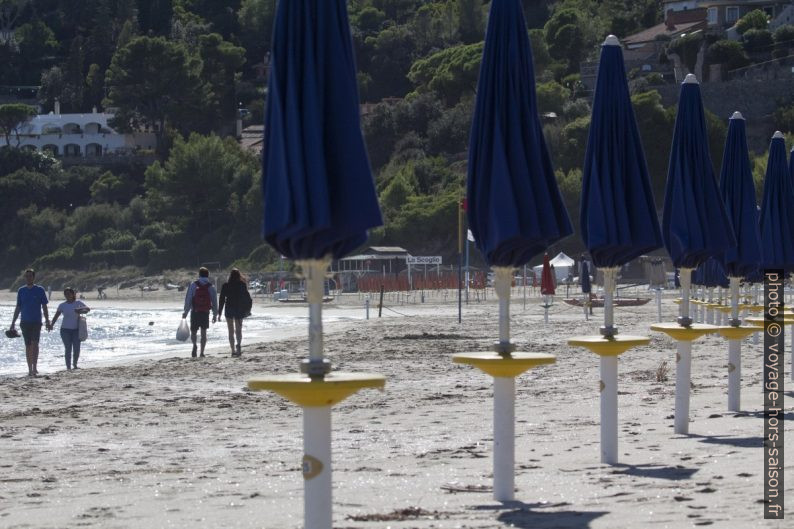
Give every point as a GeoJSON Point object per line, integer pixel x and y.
{"type": "Point", "coordinates": [233, 314]}
{"type": "Point", "coordinates": [199, 320]}
{"type": "Point", "coordinates": [31, 332]}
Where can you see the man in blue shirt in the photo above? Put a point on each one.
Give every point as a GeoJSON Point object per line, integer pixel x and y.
{"type": "Point", "coordinates": [31, 301]}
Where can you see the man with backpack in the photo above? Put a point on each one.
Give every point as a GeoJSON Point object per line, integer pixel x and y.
{"type": "Point", "coordinates": [201, 297]}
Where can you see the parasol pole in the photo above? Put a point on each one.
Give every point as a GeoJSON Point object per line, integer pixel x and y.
{"type": "Point", "coordinates": [504, 398]}
{"type": "Point", "coordinates": [659, 302]}
{"type": "Point", "coordinates": [710, 306]}
{"type": "Point", "coordinates": [317, 504]}
{"type": "Point", "coordinates": [755, 302]}
{"type": "Point", "coordinates": [683, 359]}
{"type": "Point", "coordinates": [609, 376]}
{"type": "Point", "coordinates": [734, 351]}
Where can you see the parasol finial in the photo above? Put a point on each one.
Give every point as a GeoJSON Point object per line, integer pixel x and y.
{"type": "Point", "coordinates": [737, 115]}
{"type": "Point", "coordinates": [777, 134]}
{"type": "Point", "coordinates": [691, 79]}
{"type": "Point", "coordinates": [611, 40]}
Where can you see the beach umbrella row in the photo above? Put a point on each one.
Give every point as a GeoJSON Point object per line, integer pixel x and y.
{"type": "Point", "coordinates": [319, 202]}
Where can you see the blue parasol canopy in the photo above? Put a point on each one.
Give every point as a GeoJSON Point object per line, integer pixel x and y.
{"type": "Point", "coordinates": [515, 208]}
{"type": "Point", "coordinates": [584, 278]}
{"type": "Point", "coordinates": [710, 273]}
{"type": "Point", "coordinates": [319, 196]}
{"type": "Point", "coordinates": [699, 275]}
{"type": "Point", "coordinates": [618, 216]}
{"type": "Point", "coordinates": [738, 194]}
{"type": "Point", "coordinates": [695, 225]}
{"type": "Point", "coordinates": [777, 210]}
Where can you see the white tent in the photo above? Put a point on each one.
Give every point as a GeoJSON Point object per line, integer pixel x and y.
{"type": "Point", "coordinates": [562, 264]}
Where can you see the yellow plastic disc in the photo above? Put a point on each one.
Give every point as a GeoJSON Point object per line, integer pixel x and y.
{"type": "Point", "coordinates": [685, 334]}
{"type": "Point", "coordinates": [498, 366]}
{"type": "Point", "coordinates": [613, 346]}
{"type": "Point", "coordinates": [304, 391]}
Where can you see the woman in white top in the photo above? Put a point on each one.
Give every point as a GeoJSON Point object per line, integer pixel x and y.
{"type": "Point", "coordinates": [71, 309]}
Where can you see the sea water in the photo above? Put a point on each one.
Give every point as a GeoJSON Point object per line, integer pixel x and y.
{"type": "Point", "coordinates": [122, 334]}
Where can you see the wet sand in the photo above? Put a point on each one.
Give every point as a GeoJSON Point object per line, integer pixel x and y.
{"type": "Point", "coordinates": [182, 443]}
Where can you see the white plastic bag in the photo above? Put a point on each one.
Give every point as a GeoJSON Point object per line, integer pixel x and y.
{"type": "Point", "coordinates": [183, 331]}
{"type": "Point", "coordinates": [82, 329]}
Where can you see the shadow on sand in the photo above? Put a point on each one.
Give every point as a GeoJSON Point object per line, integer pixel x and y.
{"type": "Point", "coordinates": [532, 515]}
{"type": "Point", "coordinates": [738, 442]}
{"type": "Point", "coordinates": [656, 472]}
{"type": "Point", "coordinates": [759, 414]}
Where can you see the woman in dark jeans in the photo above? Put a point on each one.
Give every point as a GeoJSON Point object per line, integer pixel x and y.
{"type": "Point", "coordinates": [71, 309]}
{"type": "Point", "coordinates": [236, 300]}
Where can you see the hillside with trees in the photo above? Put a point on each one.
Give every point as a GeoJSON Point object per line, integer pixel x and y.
{"type": "Point", "coordinates": [185, 69]}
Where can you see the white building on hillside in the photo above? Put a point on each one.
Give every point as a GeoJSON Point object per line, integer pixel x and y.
{"type": "Point", "coordinates": [80, 135]}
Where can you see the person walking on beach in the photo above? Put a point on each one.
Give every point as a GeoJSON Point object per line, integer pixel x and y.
{"type": "Point", "coordinates": [237, 301]}
{"type": "Point", "coordinates": [201, 297]}
{"type": "Point", "coordinates": [71, 309]}
{"type": "Point", "coordinates": [31, 302]}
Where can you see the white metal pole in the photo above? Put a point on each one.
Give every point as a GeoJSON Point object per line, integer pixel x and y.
{"type": "Point", "coordinates": [504, 438]}
{"type": "Point", "coordinates": [682, 379]}
{"type": "Point", "coordinates": [756, 338]}
{"type": "Point", "coordinates": [609, 410]}
{"type": "Point", "coordinates": [734, 352]}
{"type": "Point", "coordinates": [659, 303]}
{"type": "Point", "coordinates": [709, 310]}
{"type": "Point", "coordinates": [503, 277]}
{"type": "Point", "coordinates": [610, 277]}
{"type": "Point", "coordinates": [734, 374]}
{"type": "Point", "coordinates": [317, 509]}
{"type": "Point", "coordinates": [315, 275]}
{"type": "Point", "coordinates": [685, 277]}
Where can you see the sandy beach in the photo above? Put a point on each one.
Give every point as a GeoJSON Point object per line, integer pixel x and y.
{"type": "Point", "coordinates": [175, 442]}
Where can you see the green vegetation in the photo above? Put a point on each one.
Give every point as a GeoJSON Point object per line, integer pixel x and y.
{"type": "Point", "coordinates": [184, 69]}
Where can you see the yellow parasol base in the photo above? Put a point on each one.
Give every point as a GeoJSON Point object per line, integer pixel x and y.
{"type": "Point", "coordinates": [788, 319]}
{"type": "Point", "coordinates": [612, 346]}
{"type": "Point", "coordinates": [685, 334]}
{"type": "Point", "coordinates": [305, 392]}
{"type": "Point", "coordinates": [751, 307]}
{"type": "Point", "coordinates": [725, 309]}
{"type": "Point", "coordinates": [737, 333]}
{"type": "Point", "coordinates": [497, 365]}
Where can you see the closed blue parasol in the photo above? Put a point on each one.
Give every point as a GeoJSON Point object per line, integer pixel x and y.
{"type": "Point", "coordinates": [319, 201]}
{"type": "Point", "coordinates": [618, 216]}
{"type": "Point", "coordinates": [319, 197]}
{"type": "Point", "coordinates": [711, 274]}
{"type": "Point", "coordinates": [515, 208]}
{"type": "Point", "coordinates": [777, 210]}
{"type": "Point", "coordinates": [585, 278]}
{"type": "Point", "coordinates": [738, 194]}
{"type": "Point", "coordinates": [694, 224]}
